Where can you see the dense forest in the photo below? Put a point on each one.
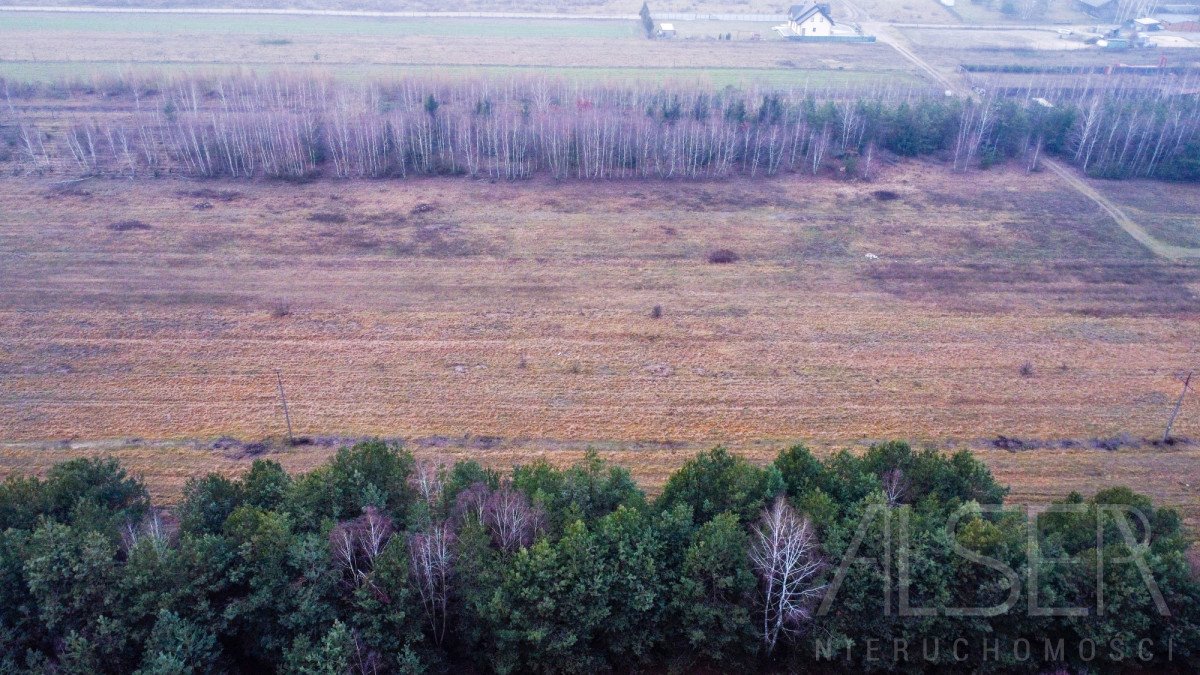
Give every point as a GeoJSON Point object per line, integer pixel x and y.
{"type": "Point", "coordinates": [296, 127]}
{"type": "Point", "coordinates": [378, 563]}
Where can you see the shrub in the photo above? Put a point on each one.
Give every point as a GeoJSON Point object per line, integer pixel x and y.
{"type": "Point", "coordinates": [128, 226]}
{"type": "Point", "coordinates": [280, 308]}
{"type": "Point", "coordinates": [327, 218]}
{"type": "Point", "coordinates": [208, 502]}
{"type": "Point", "coordinates": [722, 256]}
{"type": "Point", "coordinates": [714, 482]}
{"type": "Point", "coordinates": [266, 484]}
{"type": "Point", "coordinates": [97, 483]}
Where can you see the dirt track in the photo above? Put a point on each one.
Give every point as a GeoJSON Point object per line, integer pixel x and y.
{"type": "Point", "coordinates": [888, 35]}
{"type": "Point", "coordinates": [1169, 251]}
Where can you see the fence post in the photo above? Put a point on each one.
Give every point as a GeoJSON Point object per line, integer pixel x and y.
{"type": "Point", "coordinates": [287, 416]}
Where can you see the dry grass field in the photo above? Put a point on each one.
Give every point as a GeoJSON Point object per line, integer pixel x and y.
{"type": "Point", "coordinates": [910, 11]}
{"type": "Point", "coordinates": [82, 50]}
{"type": "Point", "coordinates": [48, 47]}
{"type": "Point", "coordinates": [600, 7]}
{"type": "Point", "coordinates": [1168, 213]}
{"type": "Point", "coordinates": [511, 320]}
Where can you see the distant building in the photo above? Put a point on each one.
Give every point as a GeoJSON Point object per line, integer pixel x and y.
{"type": "Point", "coordinates": [814, 23]}
{"type": "Point", "coordinates": [810, 20]}
{"type": "Point", "coordinates": [666, 30]}
{"type": "Point", "coordinates": [1101, 9]}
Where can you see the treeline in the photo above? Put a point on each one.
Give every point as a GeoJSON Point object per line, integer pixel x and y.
{"type": "Point", "coordinates": [298, 128]}
{"type": "Point", "coordinates": [1123, 69]}
{"type": "Point", "coordinates": [378, 563]}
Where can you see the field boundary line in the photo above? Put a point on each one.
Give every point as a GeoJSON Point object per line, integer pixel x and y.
{"type": "Point", "coordinates": [1160, 248]}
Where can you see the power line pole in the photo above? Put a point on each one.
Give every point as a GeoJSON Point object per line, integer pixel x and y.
{"type": "Point", "coordinates": [287, 416]}
{"type": "Point", "coordinates": [1178, 405]}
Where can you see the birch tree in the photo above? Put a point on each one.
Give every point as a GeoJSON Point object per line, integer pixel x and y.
{"type": "Point", "coordinates": [786, 556]}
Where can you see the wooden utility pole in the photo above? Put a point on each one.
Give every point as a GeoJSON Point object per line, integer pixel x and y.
{"type": "Point", "coordinates": [288, 417]}
{"type": "Point", "coordinates": [1178, 405]}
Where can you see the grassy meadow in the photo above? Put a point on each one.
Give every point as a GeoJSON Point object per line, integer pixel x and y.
{"type": "Point", "coordinates": [53, 46]}
{"type": "Point", "coordinates": [949, 309]}
{"type": "Point", "coordinates": [511, 320]}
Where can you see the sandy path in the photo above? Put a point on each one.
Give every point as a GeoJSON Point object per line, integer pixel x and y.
{"type": "Point", "coordinates": [1168, 251]}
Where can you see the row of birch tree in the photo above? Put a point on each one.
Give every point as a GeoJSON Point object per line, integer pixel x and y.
{"type": "Point", "coordinates": [299, 127]}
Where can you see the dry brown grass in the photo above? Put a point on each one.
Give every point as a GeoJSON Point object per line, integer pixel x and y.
{"type": "Point", "coordinates": [520, 53]}
{"type": "Point", "coordinates": [523, 6]}
{"type": "Point", "coordinates": [441, 308]}
{"type": "Point", "coordinates": [48, 47]}
{"type": "Point", "coordinates": [1170, 214]}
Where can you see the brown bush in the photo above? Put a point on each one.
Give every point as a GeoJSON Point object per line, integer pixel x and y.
{"type": "Point", "coordinates": [327, 218]}
{"type": "Point", "coordinates": [128, 226]}
{"type": "Point", "coordinates": [280, 308]}
{"type": "Point", "coordinates": [722, 256]}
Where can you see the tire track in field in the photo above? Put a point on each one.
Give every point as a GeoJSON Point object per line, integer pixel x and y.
{"type": "Point", "coordinates": [888, 35]}
{"type": "Point", "coordinates": [1143, 237]}
{"type": "Point", "coordinates": [1159, 248]}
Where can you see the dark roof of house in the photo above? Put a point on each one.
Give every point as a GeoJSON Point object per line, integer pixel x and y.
{"type": "Point", "coordinates": [800, 13]}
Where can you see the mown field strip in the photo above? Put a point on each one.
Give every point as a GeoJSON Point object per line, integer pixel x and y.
{"type": "Point", "coordinates": [285, 24]}
{"type": "Point", "coordinates": [49, 71]}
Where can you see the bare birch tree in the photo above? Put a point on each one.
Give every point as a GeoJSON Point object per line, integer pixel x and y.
{"type": "Point", "coordinates": [431, 564]}
{"type": "Point", "coordinates": [295, 127]}
{"type": "Point", "coordinates": [357, 543]}
{"type": "Point", "coordinates": [512, 521]}
{"type": "Point", "coordinates": [786, 556]}
{"type": "Point", "coordinates": [895, 486]}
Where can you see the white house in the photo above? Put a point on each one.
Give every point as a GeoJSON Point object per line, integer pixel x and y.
{"type": "Point", "coordinates": [812, 20]}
